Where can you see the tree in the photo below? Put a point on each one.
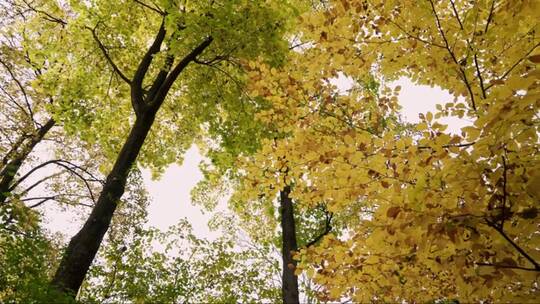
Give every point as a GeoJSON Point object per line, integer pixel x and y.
{"type": "Point", "coordinates": [24, 122]}
{"type": "Point", "coordinates": [454, 213]}
{"type": "Point", "coordinates": [205, 33]}
{"type": "Point", "coordinates": [289, 246]}
{"type": "Point", "coordinates": [185, 269]}
{"type": "Point", "coordinates": [27, 121]}
{"type": "Point", "coordinates": [372, 209]}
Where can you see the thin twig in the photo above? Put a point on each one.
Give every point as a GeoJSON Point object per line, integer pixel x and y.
{"type": "Point", "coordinates": [157, 10]}
{"type": "Point", "coordinates": [490, 17]}
{"type": "Point", "coordinates": [457, 15]}
{"type": "Point", "coordinates": [447, 46]}
{"type": "Point", "coordinates": [507, 266]}
{"type": "Point", "coordinates": [21, 87]}
{"type": "Point", "coordinates": [479, 76]}
{"type": "Point", "coordinates": [513, 66]}
{"type": "Point", "coordinates": [48, 16]}
{"type": "Point", "coordinates": [464, 145]}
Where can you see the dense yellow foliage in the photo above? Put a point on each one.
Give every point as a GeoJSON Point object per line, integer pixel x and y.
{"type": "Point", "coordinates": [427, 214]}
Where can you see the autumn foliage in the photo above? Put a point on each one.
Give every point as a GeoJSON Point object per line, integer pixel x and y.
{"type": "Point", "coordinates": [292, 101]}
{"type": "Point", "coordinates": [425, 213]}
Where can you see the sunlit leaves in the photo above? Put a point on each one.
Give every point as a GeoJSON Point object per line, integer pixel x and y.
{"type": "Point", "coordinates": [448, 212]}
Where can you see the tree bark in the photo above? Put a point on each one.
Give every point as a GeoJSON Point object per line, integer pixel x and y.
{"type": "Point", "coordinates": [14, 160]}
{"type": "Point", "coordinates": [84, 245]}
{"type": "Point", "coordinates": [289, 288]}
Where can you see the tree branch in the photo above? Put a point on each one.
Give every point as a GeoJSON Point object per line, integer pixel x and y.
{"type": "Point", "coordinates": [171, 78]}
{"type": "Point", "coordinates": [21, 87]}
{"type": "Point", "coordinates": [456, 15]}
{"type": "Point", "coordinates": [507, 266]}
{"type": "Point", "coordinates": [13, 150]}
{"type": "Point", "coordinates": [137, 95]}
{"type": "Point", "coordinates": [154, 9]}
{"type": "Point", "coordinates": [415, 37]}
{"type": "Point", "coordinates": [160, 78]}
{"type": "Point", "coordinates": [61, 163]}
{"type": "Point", "coordinates": [447, 47]}
{"type": "Point", "coordinates": [505, 192]}
{"type": "Point", "coordinates": [479, 76]}
{"type": "Point", "coordinates": [107, 56]}
{"type": "Point", "coordinates": [48, 16]}
{"type": "Point", "coordinates": [42, 199]}
{"type": "Point", "coordinates": [327, 229]}
{"type": "Point", "coordinates": [37, 183]}
{"type": "Point", "coordinates": [464, 145]}
{"type": "Point", "coordinates": [83, 179]}
{"type": "Point", "coordinates": [513, 66]}
{"type": "Point", "coordinates": [490, 17]}
{"type": "Point", "coordinates": [500, 230]}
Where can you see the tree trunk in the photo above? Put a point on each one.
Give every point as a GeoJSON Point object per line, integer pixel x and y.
{"type": "Point", "coordinates": [84, 245]}
{"type": "Point", "coordinates": [14, 160]}
{"type": "Point", "coordinates": [289, 288]}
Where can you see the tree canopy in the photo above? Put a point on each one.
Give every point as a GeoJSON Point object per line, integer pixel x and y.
{"type": "Point", "coordinates": [296, 108]}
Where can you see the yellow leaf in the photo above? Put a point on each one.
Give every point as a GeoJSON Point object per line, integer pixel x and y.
{"type": "Point", "coordinates": [472, 132]}
{"type": "Point", "coordinates": [421, 126]}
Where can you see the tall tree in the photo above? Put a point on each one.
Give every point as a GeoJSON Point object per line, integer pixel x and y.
{"type": "Point", "coordinates": [453, 213]}
{"type": "Point", "coordinates": [24, 120]}
{"type": "Point", "coordinates": [217, 36]}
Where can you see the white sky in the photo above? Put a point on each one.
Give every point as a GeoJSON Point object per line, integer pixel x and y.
{"type": "Point", "coordinates": [170, 195]}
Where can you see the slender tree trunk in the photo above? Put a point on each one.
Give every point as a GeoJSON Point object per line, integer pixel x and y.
{"type": "Point", "coordinates": [14, 160]}
{"type": "Point", "coordinates": [84, 245]}
{"type": "Point", "coordinates": [289, 288]}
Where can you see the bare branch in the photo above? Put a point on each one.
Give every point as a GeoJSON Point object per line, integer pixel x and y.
{"type": "Point", "coordinates": [42, 199]}
{"type": "Point", "coordinates": [40, 181]}
{"type": "Point", "coordinates": [64, 164]}
{"type": "Point", "coordinates": [82, 178]}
